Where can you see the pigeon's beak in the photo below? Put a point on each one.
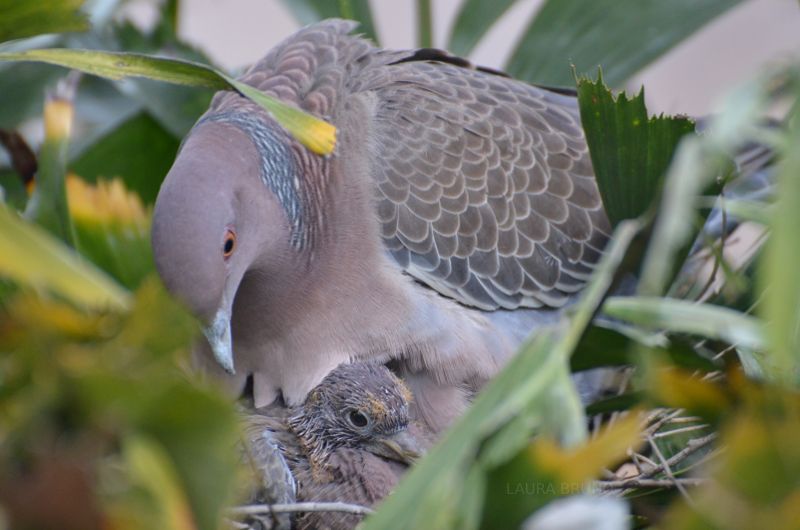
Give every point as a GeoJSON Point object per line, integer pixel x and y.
{"type": "Point", "coordinates": [219, 338]}
{"type": "Point", "coordinates": [400, 446]}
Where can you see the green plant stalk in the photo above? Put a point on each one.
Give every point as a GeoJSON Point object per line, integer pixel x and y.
{"type": "Point", "coordinates": [686, 316]}
{"type": "Point", "coordinates": [424, 24]}
{"type": "Point", "coordinates": [756, 211]}
{"type": "Point", "coordinates": [47, 206]}
{"type": "Point", "coordinates": [48, 203]}
{"type": "Point", "coordinates": [687, 175]}
{"type": "Point", "coordinates": [346, 9]}
{"type": "Point", "coordinates": [778, 274]}
{"type": "Point", "coordinates": [697, 162]}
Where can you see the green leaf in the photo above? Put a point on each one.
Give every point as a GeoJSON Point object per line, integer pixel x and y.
{"type": "Point", "coordinates": [144, 328]}
{"type": "Point", "coordinates": [310, 11]}
{"type": "Point", "coordinates": [684, 316]}
{"type": "Point", "coordinates": [474, 19]}
{"type": "Point", "coordinates": [32, 257]}
{"type": "Point", "coordinates": [12, 189]}
{"type": "Point", "coordinates": [25, 19]}
{"type": "Point", "coordinates": [23, 86]}
{"type": "Point", "coordinates": [139, 151]}
{"type": "Point", "coordinates": [150, 468]}
{"type": "Point", "coordinates": [744, 209]}
{"type": "Point", "coordinates": [199, 432]}
{"type": "Point", "coordinates": [618, 403]}
{"type": "Point", "coordinates": [317, 135]}
{"type": "Point", "coordinates": [118, 65]}
{"type": "Point", "coordinates": [610, 343]}
{"type": "Point", "coordinates": [176, 108]}
{"type": "Point", "coordinates": [598, 347]}
{"type": "Point", "coordinates": [778, 274]}
{"type": "Point", "coordinates": [621, 36]}
{"type": "Point", "coordinates": [630, 151]}
{"type": "Point", "coordinates": [99, 108]}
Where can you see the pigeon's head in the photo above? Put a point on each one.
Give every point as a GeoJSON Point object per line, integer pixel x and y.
{"type": "Point", "coordinates": [218, 220]}
{"type": "Point", "coordinates": [361, 406]}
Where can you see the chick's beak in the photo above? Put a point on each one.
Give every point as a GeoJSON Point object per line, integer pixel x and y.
{"type": "Point", "coordinates": [219, 338]}
{"type": "Point", "coordinates": [401, 446]}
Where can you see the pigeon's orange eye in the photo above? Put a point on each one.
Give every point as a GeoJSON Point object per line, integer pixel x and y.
{"type": "Point", "coordinates": [229, 244]}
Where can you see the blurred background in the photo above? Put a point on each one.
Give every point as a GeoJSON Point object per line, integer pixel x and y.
{"type": "Point", "coordinates": [689, 79]}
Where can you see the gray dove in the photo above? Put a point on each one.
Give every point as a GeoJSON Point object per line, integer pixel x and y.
{"type": "Point", "coordinates": [458, 212]}
{"type": "Point", "coordinates": [350, 441]}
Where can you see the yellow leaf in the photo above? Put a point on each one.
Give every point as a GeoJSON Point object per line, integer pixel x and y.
{"type": "Point", "coordinates": [58, 119]}
{"type": "Point", "coordinates": [36, 315]}
{"type": "Point", "coordinates": [680, 389]}
{"type": "Point", "coordinates": [33, 257]}
{"type": "Point", "coordinates": [150, 468]}
{"type": "Point", "coordinates": [579, 464]}
{"type": "Point", "coordinates": [105, 201]}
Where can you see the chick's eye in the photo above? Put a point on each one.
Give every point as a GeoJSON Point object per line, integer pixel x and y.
{"type": "Point", "coordinates": [357, 418]}
{"type": "Point", "coordinates": [229, 244]}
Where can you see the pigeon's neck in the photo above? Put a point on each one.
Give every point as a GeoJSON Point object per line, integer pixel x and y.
{"type": "Point", "coordinates": [284, 168]}
{"type": "Point", "coordinates": [314, 444]}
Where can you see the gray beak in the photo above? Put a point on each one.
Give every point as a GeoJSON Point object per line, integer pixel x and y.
{"type": "Point", "coordinates": [400, 446]}
{"type": "Point", "coordinates": [219, 338]}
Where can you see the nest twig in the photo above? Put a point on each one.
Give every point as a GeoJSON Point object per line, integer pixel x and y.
{"type": "Point", "coordinates": [265, 509]}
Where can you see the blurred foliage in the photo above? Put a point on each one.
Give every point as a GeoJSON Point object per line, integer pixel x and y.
{"type": "Point", "coordinates": [101, 426]}
{"type": "Point", "coordinates": [622, 37]}
{"type": "Point", "coordinates": [26, 19]}
{"type": "Point", "coordinates": [151, 150]}
{"type": "Point", "coordinates": [104, 390]}
{"type": "Point", "coordinates": [544, 471]}
{"type": "Point", "coordinates": [35, 258]}
{"type": "Point", "coordinates": [308, 11]}
{"type": "Point", "coordinates": [754, 483]}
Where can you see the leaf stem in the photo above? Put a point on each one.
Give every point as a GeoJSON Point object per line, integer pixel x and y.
{"type": "Point", "coordinates": [346, 9]}
{"type": "Point", "coordinates": [424, 24]}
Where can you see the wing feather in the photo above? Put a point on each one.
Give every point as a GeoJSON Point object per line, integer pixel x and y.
{"type": "Point", "coordinates": [485, 186]}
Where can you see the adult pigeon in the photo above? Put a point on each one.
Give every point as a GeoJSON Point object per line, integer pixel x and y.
{"type": "Point", "coordinates": [350, 441]}
{"type": "Point", "coordinates": [458, 212]}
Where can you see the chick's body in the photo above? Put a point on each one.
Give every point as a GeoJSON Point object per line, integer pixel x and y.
{"type": "Point", "coordinates": [350, 441]}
